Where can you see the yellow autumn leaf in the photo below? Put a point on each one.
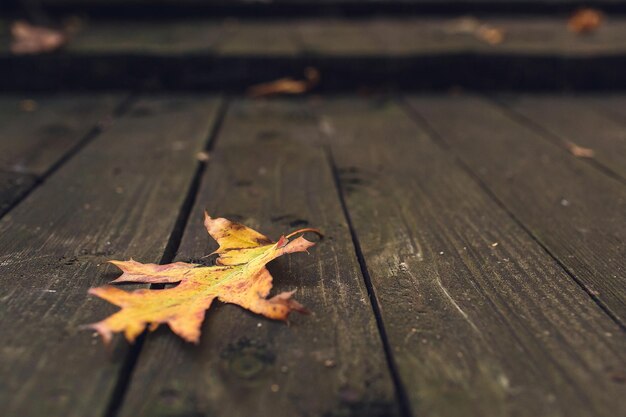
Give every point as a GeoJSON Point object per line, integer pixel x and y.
{"type": "Point", "coordinates": [240, 277]}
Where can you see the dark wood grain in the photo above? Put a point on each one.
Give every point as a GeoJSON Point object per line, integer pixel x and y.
{"type": "Point", "coordinates": [480, 320]}
{"type": "Point", "coordinates": [37, 131]}
{"type": "Point", "coordinates": [574, 210]}
{"type": "Point", "coordinates": [119, 197]}
{"type": "Point", "coordinates": [267, 173]}
{"type": "Point", "coordinates": [568, 120]}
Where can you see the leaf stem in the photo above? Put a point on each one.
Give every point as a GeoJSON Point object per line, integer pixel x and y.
{"type": "Point", "coordinates": [308, 229]}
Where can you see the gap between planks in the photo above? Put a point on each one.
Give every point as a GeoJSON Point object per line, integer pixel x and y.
{"type": "Point", "coordinates": [39, 179]}
{"type": "Point", "coordinates": [198, 127]}
{"type": "Point", "coordinates": [173, 243]}
{"type": "Point", "coordinates": [200, 378]}
{"type": "Point", "coordinates": [401, 393]}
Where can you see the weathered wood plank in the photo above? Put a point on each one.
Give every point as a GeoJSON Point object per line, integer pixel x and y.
{"type": "Point", "coordinates": [274, 37]}
{"type": "Point", "coordinates": [411, 52]}
{"type": "Point", "coordinates": [570, 120]}
{"type": "Point", "coordinates": [265, 174]}
{"type": "Point", "coordinates": [375, 37]}
{"type": "Point", "coordinates": [480, 320]}
{"type": "Point", "coordinates": [37, 131]}
{"type": "Point", "coordinates": [424, 36]}
{"type": "Point", "coordinates": [337, 37]}
{"type": "Point", "coordinates": [574, 210]}
{"type": "Point", "coordinates": [165, 37]}
{"type": "Point", "coordinates": [547, 35]}
{"type": "Point", "coordinates": [119, 197]}
{"type": "Point", "coordinates": [12, 187]}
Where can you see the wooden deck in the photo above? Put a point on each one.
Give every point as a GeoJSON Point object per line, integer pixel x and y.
{"type": "Point", "coordinates": [472, 265]}
{"type": "Point", "coordinates": [401, 53]}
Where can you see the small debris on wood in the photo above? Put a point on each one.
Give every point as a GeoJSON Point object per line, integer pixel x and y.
{"type": "Point", "coordinates": [482, 31]}
{"type": "Point", "coordinates": [491, 35]}
{"type": "Point", "coordinates": [28, 105]}
{"type": "Point", "coordinates": [30, 39]}
{"type": "Point", "coordinates": [286, 85]}
{"type": "Point", "coordinates": [326, 126]}
{"type": "Point", "coordinates": [275, 388]}
{"type": "Point", "coordinates": [329, 363]}
{"type": "Point", "coordinates": [585, 20]}
{"type": "Point", "coordinates": [579, 151]}
{"type": "Point", "coordinates": [202, 156]}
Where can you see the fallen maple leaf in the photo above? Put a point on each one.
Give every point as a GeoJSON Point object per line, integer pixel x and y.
{"type": "Point", "coordinates": [240, 277]}
{"type": "Point", "coordinates": [286, 85]}
{"type": "Point", "coordinates": [579, 151]}
{"type": "Point", "coordinates": [30, 39]}
{"type": "Point", "coordinates": [585, 20]}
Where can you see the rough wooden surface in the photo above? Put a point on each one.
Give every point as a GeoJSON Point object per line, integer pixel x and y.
{"type": "Point", "coordinates": [119, 198]}
{"type": "Point", "coordinates": [480, 320]}
{"type": "Point", "coordinates": [12, 187]}
{"type": "Point", "coordinates": [267, 173]}
{"type": "Point", "coordinates": [575, 211]}
{"type": "Point", "coordinates": [492, 255]}
{"type": "Point", "coordinates": [36, 132]}
{"type": "Point", "coordinates": [570, 121]}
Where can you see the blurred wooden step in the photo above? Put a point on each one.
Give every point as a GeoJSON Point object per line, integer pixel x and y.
{"type": "Point", "coordinates": [412, 53]}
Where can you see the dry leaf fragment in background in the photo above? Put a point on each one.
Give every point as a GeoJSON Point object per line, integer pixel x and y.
{"type": "Point", "coordinates": [490, 34]}
{"type": "Point", "coordinates": [239, 277]}
{"type": "Point", "coordinates": [30, 39]}
{"type": "Point", "coordinates": [472, 26]}
{"type": "Point", "coordinates": [585, 20]}
{"type": "Point", "coordinates": [203, 156]}
{"type": "Point", "coordinates": [287, 85]}
{"type": "Point", "coordinates": [28, 105]}
{"type": "Point", "coordinates": [579, 151]}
